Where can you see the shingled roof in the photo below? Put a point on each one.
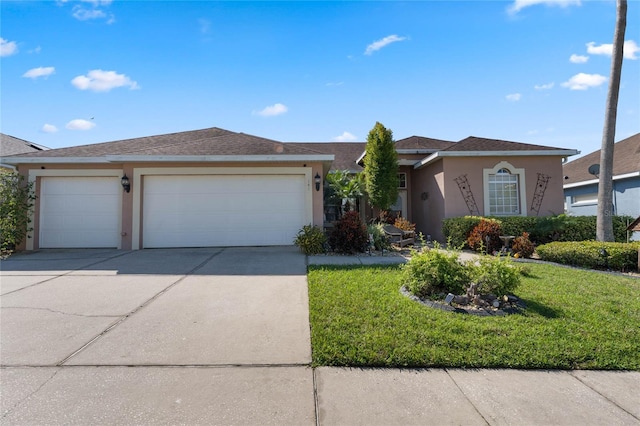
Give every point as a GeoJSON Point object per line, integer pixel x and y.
{"type": "Point", "coordinates": [626, 159]}
{"type": "Point", "coordinates": [10, 145]}
{"type": "Point", "coordinates": [345, 153]}
{"type": "Point", "coordinates": [212, 141]}
{"type": "Point", "coordinates": [473, 143]}
{"type": "Point", "coordinates": [420, 143]}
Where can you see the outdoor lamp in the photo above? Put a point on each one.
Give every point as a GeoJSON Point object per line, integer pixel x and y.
{"type": "Point", "coordinates": [317, 179]}
{"type": "Point", "coordinates": [126, 185]}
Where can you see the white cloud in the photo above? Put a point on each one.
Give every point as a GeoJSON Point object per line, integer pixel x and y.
{"type": "Point", "coordinates": [103, 81]}
{"type": "Point", "coordinates": [94, 11]}
{"type": "Point", "coordinates": [80, 124]}
{"type": "Point", "coordinates": [39, 72]}
{"type": "Point", "coordinates": [546, 86]}
{"type": "Point", "coordinates": [36, 50]}
{"type": "Point", "coordinates": [518, 5]}
{"type": "Point", "coordinates": [273, 110]}
{"type": "Point", "coordinates": [49, 128]}
{"type": "Point", "coordinates": [379, 44]}
{"type": "Point", "coordinates": [345, 137]}
{"type": "Point", "coordinates": [584, 81]}
{"type": "Point", "coordinates": [205, 26]}
{"type": "Point", "coordinates": [514, 97]}
{"type": "Point", "coordinates": [630, 49]}
{"type": "Point", "coordinates": [578, 59]}
{"type": "Point", "coordinates": [7, 48]}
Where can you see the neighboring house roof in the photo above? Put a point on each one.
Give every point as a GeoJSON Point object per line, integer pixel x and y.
{"type": "Point", "coordinates": [345, 153]}
{"type": "Point", "coordinates": [211, 144]}
{"type": "Point", "coordinates": [626, 163]}
{"type": "Point", "coordinates": [10, 145]}
{"type": "Point", "coordinates": [635, 225]}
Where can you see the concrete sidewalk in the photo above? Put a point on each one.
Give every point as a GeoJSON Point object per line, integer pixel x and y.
{"type": "Point", "coordinates": [221, 336]}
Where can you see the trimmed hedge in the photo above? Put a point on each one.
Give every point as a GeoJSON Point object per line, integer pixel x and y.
{"type": "Point", "coordinates": [592, 254]}
{"type": "Point", "coordinates": [541, 230]}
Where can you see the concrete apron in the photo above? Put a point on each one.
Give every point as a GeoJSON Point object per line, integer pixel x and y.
{"type": "Point", "coordinates": [213, 336]}
{"type": "Point", "coordinates": [221, 336]}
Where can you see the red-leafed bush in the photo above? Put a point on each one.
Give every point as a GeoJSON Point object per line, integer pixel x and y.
{"type": "Point", "coordinates": [486, 236]}
{"type": "Point", "coordinates": [349, 234]}
{"type": "Point", "coordinates": [522, 246]}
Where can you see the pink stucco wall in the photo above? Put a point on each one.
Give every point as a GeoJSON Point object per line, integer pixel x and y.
{"type": "Point", "coordinates": [445, 198]}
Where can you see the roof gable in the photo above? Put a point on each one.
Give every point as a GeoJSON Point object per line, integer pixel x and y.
{"type": "Point", "coordinates": [345, 153]}
{"type": "Point", "coordinates": [474, 143]}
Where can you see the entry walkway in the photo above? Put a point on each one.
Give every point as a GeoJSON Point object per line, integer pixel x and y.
{"type": "Point", "coordinates": [221, 336]}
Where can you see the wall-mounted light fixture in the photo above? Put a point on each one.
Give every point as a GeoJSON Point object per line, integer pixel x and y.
{"type": "Point", "coordinates": [317, 179]}
{"type": "Point", "coordinates": [126, 185]}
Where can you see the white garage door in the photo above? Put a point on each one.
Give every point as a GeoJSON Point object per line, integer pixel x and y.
{"type": "Point", "coordinates": [80, 212]}
{"type": "Point", "coordinates": [223, 210]}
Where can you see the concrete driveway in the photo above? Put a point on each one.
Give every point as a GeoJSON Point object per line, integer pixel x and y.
{"type": "Point", "coordinates": [221, 336]}
{"type": "Point", "coordinates": [215, 335]}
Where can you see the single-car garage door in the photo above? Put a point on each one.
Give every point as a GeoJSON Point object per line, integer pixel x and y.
{"type": "Point", "coordinates": [80, 212]}
{"type": "Point", "coordinates": [223, 210]}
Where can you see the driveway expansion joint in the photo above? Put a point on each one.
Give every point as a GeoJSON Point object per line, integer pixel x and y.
{"type": "Point", "coordinates": [446, 370]}
{"type": "Point", "coordinates": [137, 309]}
{"type": "Point", "coordinates": [571, 373]}
{"type": "Point", "coordinates": [62, 313]}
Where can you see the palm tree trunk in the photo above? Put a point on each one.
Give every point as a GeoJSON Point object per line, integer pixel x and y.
{"type": "Point", "coordinates": [604, 227]}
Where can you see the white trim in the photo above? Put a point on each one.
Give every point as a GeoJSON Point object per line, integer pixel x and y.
{"type": "Point", "coordinates": [595, 181]}
{"type": "Point", "coordinates": [53, 160]}
{"type": "Point", "coordinates": [522, 187]}
{"type": "Point", "coordinates": [359, 159]}
{"type": "Point", "coordinates": [433, 157]}
{"type": "Point", "coordinates": [139, 172]}
{"type": "Point", "coordinates": [35, 173]}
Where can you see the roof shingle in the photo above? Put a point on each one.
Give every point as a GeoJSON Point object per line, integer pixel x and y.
{"type": "Point", "coordinates": [626, 159]}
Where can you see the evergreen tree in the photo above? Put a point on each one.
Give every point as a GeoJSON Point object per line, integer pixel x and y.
{"type": "Point", "coordinates": [381, 168]}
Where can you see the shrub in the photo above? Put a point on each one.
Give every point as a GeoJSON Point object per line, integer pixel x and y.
{"type": "Point", "coordinates": [380, 240]}
{"type": "Point", "coordinates": [522, 246]}
{"type": "Point", "coordinates": [404, 224]}
{"type": "Point", "coordinates": [349, 234]}
{"type": "Point", "coordinates": [434, 271]}
{"type": "Point", "coordinates": [16, 201]}
{"type": "Point", "coordinates": [310, 239]}
{"type": "Point", "coordinates": [495, 275]}
{"type": "Point", "coordinates": [456, 230]}
{"type": "Point", "coordinates": [516, 225]}
{"type": "Point", "coordinates": [592, 254]}
{"type": "Point", "coordinates": [485, 236]}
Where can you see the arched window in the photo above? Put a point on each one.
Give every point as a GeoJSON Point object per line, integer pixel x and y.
{"type": "Point", "coordinates": [504, 193]}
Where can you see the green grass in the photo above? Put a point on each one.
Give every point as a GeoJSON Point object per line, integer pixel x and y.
{"type": "Point", "coordinates": [574, 319]}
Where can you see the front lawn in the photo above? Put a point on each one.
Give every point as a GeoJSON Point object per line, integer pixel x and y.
{"type": "Point", "coordinates": [574, 320]}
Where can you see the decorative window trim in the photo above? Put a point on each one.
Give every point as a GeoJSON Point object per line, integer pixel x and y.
{"type": "Point", "coordinates": [522, 185]}
{"type": "Point", "coordinates": [402, 184]}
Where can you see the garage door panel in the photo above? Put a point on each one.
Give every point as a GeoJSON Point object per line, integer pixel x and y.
{"type": "Point", "coordinates": [223, 210]}
{"type": "Point", "coordinates": [80, 212]}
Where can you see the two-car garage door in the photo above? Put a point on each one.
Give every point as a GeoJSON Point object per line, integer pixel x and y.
{"type": "Point", "coordinates": [222, 210]}
{"type": "Point", "coordinates": [177, 210]}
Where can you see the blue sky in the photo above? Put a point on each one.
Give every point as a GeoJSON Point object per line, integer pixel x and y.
{"type": "Point", "coordinates": [535, 71]}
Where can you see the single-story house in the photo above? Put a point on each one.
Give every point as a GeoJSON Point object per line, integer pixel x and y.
{"type": "Point", "coordinates": [581, 181]}
{"type": "Point", "coordinates": [214, 187]}
{"type": "Point", "coordinates": [10, 145]}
